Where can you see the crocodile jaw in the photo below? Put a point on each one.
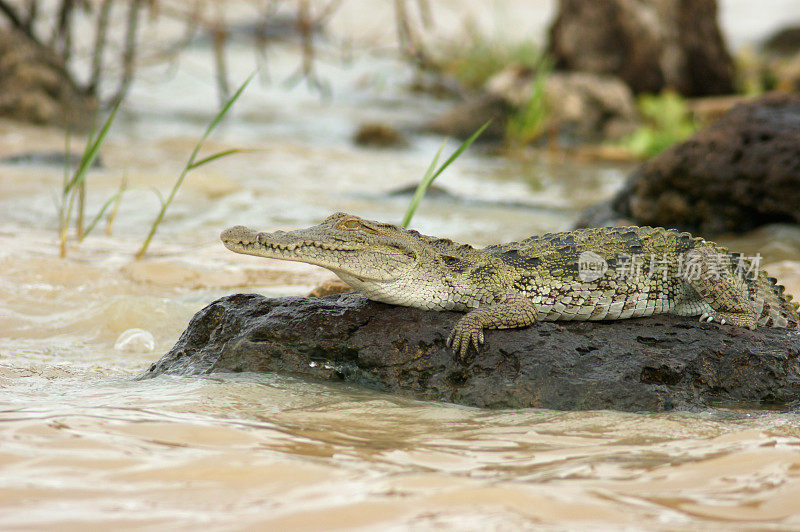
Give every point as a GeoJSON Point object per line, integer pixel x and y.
{"type": "Point", "coordinates": [366, 262]}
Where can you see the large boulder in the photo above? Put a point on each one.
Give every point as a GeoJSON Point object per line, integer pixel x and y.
{"type": "Point", "coordinates": [653, 364]}
{"type": "Point", "coordinates": [651, 44]}
{"type": "Point", "coordinates": [741, 172]}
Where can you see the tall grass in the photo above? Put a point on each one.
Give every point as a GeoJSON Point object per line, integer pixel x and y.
{"type": "Point", "coordinates": [75, 187]}
{"type": "Point", "coordinates": [193, 163]}
{"type": "Point", "coordinates": [475, 59]}
{"type": "Point", "coordinates": [527, 123]}
{"type": "Point", "coordinates": [432, 173]}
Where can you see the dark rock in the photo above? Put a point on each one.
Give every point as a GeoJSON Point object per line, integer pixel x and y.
{"type": "Point", "coordinates": [379, 135]}
{"type": "Point", "coordinates": [433, 191]}
{"type": "Point", "coordinates": [654, 364]}
{"type": "Point", "coordinates": [741, 172]}
{"type": "Point", "coordinates": [47, 158]}
{"type": "Point", "coordinates": [650, 44]}
{"type": "Point", "coordinates": [35, 86]}
{"type": "Point", "coordinates": [785, 41]}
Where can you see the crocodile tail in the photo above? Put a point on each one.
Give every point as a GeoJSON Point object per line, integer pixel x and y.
{"type": "Point", "coordinates": [773, 305]}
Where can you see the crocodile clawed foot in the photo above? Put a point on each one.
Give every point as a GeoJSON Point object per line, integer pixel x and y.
{"type": "Point", "coordinates": [466, 333]}
{"type": "Point", "coordinates": [729, 318]}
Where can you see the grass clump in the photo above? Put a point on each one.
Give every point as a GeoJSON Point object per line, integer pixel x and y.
{"type": "Point", "coordinates": [527, 123]}
{"type": "Point", "coordinates": [479, 57]}
{"type": "Point", "coordinates": [73, 192]}
{"type": "Point", "coordinates": [667, 121]}
{"type": "Point", "coordinates": [74, 188]}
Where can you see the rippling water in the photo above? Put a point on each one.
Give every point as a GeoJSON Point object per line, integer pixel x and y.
{"type": "Point", "coordinates": [83, 444]}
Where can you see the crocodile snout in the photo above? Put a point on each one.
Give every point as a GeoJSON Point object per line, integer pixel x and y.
{"type": "Point", "coordinates": [238, 234]}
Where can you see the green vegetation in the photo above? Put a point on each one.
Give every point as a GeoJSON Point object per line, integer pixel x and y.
{"type": "Point", "coordinates": [433, 172]}
{"type": "Point", "coordinates": [75, 187]}
{"type": "Point", "coordinates": [527, 123]}
{"type": "Point", "coordinates": [667, 121]}
{"type": "Point", "coordinates": [478, 57]}
{"type": "Point", "coordinates": [755, 74]}
{"type": "Point", "coordinates": [192, 163]}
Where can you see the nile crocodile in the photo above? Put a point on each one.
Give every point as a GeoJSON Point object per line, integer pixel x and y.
{"type": "Point", "coordinates": [586, 274]}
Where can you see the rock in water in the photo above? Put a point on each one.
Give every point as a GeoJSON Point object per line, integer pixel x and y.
{"type": "Point", "coordinates": [655, 364]}
{"type": "Point", "coordinates": [741, 172]}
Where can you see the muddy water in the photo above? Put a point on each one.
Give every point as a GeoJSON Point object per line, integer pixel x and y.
{"type": "Point", "coordinates": [84, 445]}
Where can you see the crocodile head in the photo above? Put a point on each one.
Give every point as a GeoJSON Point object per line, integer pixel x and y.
{"type": "Point", "coordinates": [359, 251]}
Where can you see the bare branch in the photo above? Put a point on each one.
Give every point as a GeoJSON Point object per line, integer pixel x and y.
{"type": "Point", "coordinates": [410, 42]}
{"type": "Point", "coordinates": [101, 32]}
{"type": "Point", "coordinates": [11, 15]}
{"type": "Point", "coordinates": [33, 10]}
{"type": "Point", "coordinates": [425, 13]}
{"type": "Point", "coordinates": [327, 11]}
{"type": "Point", "coordinates": [63, 31]}
{"type": "Point", "coordinates": [220, 36]}
{"type": "Point", "coordinates": [129, 53]}
{"type": "Point", "coordinates": [192, 20]}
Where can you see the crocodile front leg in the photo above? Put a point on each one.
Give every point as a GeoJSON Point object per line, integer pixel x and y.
{"type": "Point", "coordinates": [513, 312]}
{"type": "Point", "coordinates": [718, 287]}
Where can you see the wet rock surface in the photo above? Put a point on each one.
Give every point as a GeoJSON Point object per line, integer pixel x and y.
{"type": "Point", "coordinates": [647, 364]}
{"type": "Point", "coordinates": [741, 172]}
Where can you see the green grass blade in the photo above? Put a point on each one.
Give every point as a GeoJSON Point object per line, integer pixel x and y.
{"type": "Point", "coordinates": [64, 187]}
{"type": "Point", "coordinates": [192, 164]}
{"type": "Point", "coordinates": [225, 108]}
{"type": "Point", "coordinates": [216, 156]}
{"type": "Point", "coordinates": [429, 177]}
{"type": "Point", "coordinates": [107, 204]}
{"type": "Point", "coordinates": [419, 192]}
{"type": "Point", "coordinates": [461, 149]}
{"type": "Point", "coordinates": [92, 150]}
{"type": "Point", "coordinates": [66, 164]}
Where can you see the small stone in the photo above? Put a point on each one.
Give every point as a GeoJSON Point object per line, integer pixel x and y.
{"type": "Point", "coordinates": [135, 341]}
{"type": "Point", "coordinates": [330, 287]}
{"type": "Point", "coordinates": [379, 135]}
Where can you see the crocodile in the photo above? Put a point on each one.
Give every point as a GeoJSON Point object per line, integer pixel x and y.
{"type": "Point", "coordinates": [605, 273]}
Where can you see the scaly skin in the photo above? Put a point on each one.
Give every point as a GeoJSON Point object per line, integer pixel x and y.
{"type": "Point", "coordinates": [539, 278]}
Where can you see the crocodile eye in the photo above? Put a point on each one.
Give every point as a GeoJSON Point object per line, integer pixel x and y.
{"type": "Point", "coordinates": [350, 224]}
